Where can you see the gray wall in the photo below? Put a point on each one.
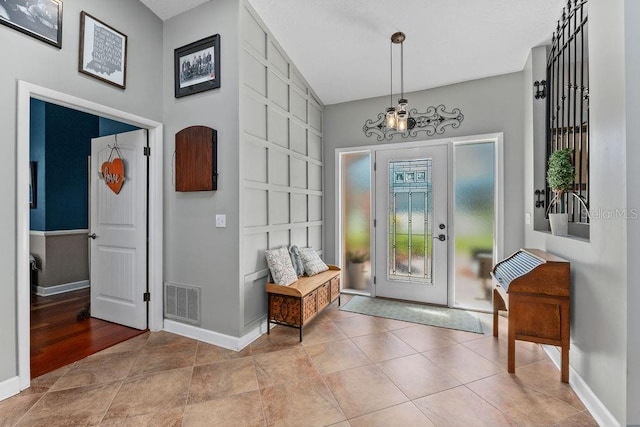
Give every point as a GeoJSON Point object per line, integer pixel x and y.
{"type": "Point", "coordinates": [196, 252]}
{"type": "Point", "coordinates": [25, 58]}
{"type": "Point", "coordinates": [632, 90]}
{"type": "Point", "coordinates": [281, 167]}
{"type": "Point", "coordinates": [599, 294]}
{"type": "Point", "coordinates": [489, 105]}
{"type": "Point", "coordinates": [63, 258]}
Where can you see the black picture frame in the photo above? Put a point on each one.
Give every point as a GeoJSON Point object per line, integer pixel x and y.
{"type": "Point", "coordinates": [41, 20]}
{"type": "Point", "coordinates": [103, 51]}
{"type": "Point", "coordinates": [204, 73]}
{"type": "Point", "coordinates": [33, 185]}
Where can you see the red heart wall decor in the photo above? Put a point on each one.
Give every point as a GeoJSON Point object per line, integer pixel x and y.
{"type": "Point", "coordinates": [113, 174]}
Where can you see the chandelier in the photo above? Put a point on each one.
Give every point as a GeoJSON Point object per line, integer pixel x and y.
{"type": "Point", "coordinates": [399, 119]}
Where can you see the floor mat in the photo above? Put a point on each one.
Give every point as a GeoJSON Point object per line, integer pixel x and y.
{"type": "Point", "coordinates": [417, 313]}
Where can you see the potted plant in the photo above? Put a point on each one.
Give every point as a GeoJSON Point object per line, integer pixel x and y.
{"type": "Point", "coordinates": [560, 177]}
{"type": "Point", "coordinates": [355, 269]}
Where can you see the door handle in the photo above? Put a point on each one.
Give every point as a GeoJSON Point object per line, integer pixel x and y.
{"type": "Point", "coordinates": [440, 237]}
{"type": "Point", "coordinates": [93, 236]}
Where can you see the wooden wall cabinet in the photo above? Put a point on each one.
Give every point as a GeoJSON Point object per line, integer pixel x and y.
{"type": "Point", "coordinates": [196, 159]}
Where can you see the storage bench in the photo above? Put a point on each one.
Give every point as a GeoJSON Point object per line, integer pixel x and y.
{"type": "Point", "coordinates": [295, 305]}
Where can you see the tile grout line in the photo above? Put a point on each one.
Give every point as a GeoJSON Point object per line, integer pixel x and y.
{"type": "Point", "coordinates": [112, 400]}
{"type": "Point", "coordinates": [324, 381]}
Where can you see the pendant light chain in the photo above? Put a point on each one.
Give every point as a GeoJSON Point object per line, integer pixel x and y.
{"type": "Point", "coordinates": [402, 70]}
{"type": "Point", "coordinates": [391, 62]}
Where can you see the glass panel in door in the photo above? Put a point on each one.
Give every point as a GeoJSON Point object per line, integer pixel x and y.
{"type": "Point", "coordinates": [410, 220]}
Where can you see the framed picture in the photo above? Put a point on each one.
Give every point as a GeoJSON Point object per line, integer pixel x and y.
{"type": "Point", "coordinates": [103, 51]}
{"type": "Point", "coordinates": [40, 19]}
{"type": "Point", "coordinates": [197, 66]}
{"type": "Point", "coordinates": [33, 185]}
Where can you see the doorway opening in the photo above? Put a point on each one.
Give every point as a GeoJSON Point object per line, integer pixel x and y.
{"type": "Point", "coordinates": [426, 217]}
{"type": "Point", "coordinates": [64, 327]}
{"type": "Point", "coordinates": [26, 91]}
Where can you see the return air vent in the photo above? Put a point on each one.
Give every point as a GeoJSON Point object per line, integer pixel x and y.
{"type": "Point", "coordinates": [182, 302]}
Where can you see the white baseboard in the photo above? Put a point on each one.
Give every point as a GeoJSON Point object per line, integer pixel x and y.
{"type": "Point", "coordinates": [9, 387]}
{"type": "Point", "coordinates": [46, 291]}
{"type": "Point", "coordinates": [596, 408]}
{"type": "Point", "coordinates": [215, 338]}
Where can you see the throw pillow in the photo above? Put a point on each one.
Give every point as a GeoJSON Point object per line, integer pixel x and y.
{"type": "Point", "coordinates": [280, 266]}
{"type": "Point", "coordinates": [312, 262]}
{"type": "Point", "coordinates": [295, 259]}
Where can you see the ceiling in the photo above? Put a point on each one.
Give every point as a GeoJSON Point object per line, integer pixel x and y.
{"type": "Point", "coordinates": [342, 46]}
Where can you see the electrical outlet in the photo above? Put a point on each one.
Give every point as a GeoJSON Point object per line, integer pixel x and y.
{"type": "Point", "coordinates": [221, 220]}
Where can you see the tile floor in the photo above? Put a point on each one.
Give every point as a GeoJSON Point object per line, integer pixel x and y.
{"type": "Point", "coordinates": [351, 370]}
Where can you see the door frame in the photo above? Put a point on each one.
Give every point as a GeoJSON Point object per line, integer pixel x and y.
{"type": "Point", "coordinates": [497, 138]}
{"type": "Point", "coordinates": [26, 91]}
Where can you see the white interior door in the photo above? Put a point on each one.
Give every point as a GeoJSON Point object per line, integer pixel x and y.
{"type": "Point", "coordinates": [411, 224]}
{"type": "Point", "coordinates": [118, 231]}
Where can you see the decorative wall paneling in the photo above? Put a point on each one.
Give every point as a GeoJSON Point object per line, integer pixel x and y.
{"type": "Point", "coordinates": [281, 165]}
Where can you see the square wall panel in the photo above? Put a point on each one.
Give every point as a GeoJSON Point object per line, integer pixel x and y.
{"type": "Point", "coordinates": [278, 128]}
{"type": "Point", "coordinates": [298, 173]}
{"type": "Point", "coordinates": [255, 121]}
{"type": "Point", "coordinates": [255, 74]}
{"type": "Point", "coordinates": [278, 239]}
{"type": "Point", "coordinates": [298, 105]}
{"type": "Point", "coordinates": [254, 247]}
{"type": "Point", "coordinates": [278, 207]}
{"type": "Point", "coordinates": [255, 207]}
{"type": "Point", "coordinates": [315, 117]}
{"type": "Point", "coordinates": [315, 208]}
{"type": "Point", "coordinates": [278, 60]}
{"type": "Point", "coordinates": [315, 238]}
{"type": "Point", "coordinates": [278, 168]}
{"type": "Point", "coordinates": [297, 137]}
{"type": "Point", "coordinates": [255, 300]}
{"type": "Point", "coordinates": [297, 80]}
{"type": "Point", "coordinates": [254, 35]}
{"type": "Point", "coordinates": [298, 208]}
{"type": "Point", "coordinates": [299, 237]}
{"type": "Point", "coordinates": [278, 91]}
{"type": "Point", "coordinates": [315, 177]}
{"type": "Point", "coordinates": [255, 162]}
{"type": "Point", "coordinates": [315, 146]}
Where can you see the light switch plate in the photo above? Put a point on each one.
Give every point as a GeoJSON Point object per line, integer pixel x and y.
{"type": "Point", "coordinates": [221, 220]}
{"type": "Point", "coordinates": [527, 218]}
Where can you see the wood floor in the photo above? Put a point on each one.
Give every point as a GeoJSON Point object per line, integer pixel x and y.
{"type": "Point", "coordinates": [58, 338]}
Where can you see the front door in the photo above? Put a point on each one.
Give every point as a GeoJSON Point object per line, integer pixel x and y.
{"type": "Point", "coordinates": [411, 224]}
{"type": "Point", "coordinates": [118, 229]}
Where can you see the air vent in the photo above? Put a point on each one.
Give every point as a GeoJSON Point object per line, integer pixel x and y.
{"type": "Point", "coordinates": [182, 302]}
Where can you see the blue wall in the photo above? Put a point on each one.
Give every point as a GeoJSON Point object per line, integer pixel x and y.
{"type": "Point", "coordinates": [67, 146]}
{"type": "Point", "coordinates": [111, 127]}
{"type": "Point", "coordinates": [61, 143]}
{"type": "Point", "coordinates": [36, 154]}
